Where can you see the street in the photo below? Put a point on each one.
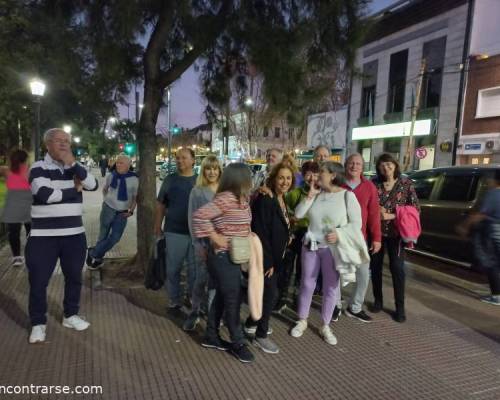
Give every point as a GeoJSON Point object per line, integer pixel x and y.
{"type": "Point", "coordinates": [134, 349]}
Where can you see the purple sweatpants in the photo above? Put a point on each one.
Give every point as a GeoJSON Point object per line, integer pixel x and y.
{"type": "Point", "coordinates": [312, 262]}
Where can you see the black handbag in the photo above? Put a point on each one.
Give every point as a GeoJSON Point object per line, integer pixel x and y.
{"type": "Point", "coordinates": [156, 273]}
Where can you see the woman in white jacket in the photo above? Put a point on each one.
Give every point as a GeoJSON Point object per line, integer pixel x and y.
{"type": "Point", "coordinates": [330, 210]}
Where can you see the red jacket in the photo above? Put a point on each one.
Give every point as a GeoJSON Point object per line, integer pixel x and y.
{"type": "Point", "coordinates": [367, 196]}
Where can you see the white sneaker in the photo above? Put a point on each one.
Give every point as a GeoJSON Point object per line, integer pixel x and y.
{"type": "Point", "coordinates": [327, 335]}
{"type": "Point", "coordinates": [17, 261]}
{"type": "Point", "coordinates": [75, 322]}
{"type": "Point", "coordinates": [299, 328]}
{"type": "Point", "coordinates": [37, 334]}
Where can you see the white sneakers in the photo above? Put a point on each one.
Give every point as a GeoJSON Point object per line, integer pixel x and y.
{"type": "Point", "coordinates": [325, 332]}
{"type": "Point", "coordinates": [327, 335]}
{"type": "Point", "coordinates": [37, 334]}
{"type": "Point", "coordinates": [299, 329]}
{"type": "Point", "coordinates": [17, 261]}
{"type": "Point", "coordinates": [75, 322]}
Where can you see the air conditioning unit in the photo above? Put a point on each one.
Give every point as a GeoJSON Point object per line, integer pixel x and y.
{"type": "Point", "coordinates": [493, 145]}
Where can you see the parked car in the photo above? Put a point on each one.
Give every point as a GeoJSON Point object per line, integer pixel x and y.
{"type": "Point", "coordinates": [164, 170]}
{"type": "Point", "coordinates": [447, 196]}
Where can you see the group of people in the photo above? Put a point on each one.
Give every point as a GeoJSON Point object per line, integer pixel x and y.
{"type": "Point", "coordinates": [332, 228]}
{"type": "Point", "coordinates": [325, 224]}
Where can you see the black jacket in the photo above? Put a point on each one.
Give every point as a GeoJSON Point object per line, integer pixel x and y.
{"type": "Point", "coordinates": [269, 223]}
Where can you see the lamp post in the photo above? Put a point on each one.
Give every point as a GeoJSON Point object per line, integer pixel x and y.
{"type": "Point", "coordinates": [67, 128]}
{"type": "Point", "coordinates": [37, 90]}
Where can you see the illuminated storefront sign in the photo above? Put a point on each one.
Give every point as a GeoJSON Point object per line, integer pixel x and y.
{"type": "Point", "coordinates": [400, 129]}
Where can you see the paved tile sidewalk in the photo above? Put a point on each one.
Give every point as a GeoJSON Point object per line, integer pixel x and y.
{"type": "Point", "coordinates": [134, 350]}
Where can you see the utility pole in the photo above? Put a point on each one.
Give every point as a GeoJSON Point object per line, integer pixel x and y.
{"type": "Point", "coordinates": [410, 150]}
{"type": "Point", "coordinates": [169, 131]}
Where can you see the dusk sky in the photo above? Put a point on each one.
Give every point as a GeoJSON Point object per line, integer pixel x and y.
{"type": "Point", "coordinates": [188, 104]}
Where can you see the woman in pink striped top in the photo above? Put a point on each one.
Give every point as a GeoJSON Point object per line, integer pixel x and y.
{"type": "Point", "coordinates": [228, 215]}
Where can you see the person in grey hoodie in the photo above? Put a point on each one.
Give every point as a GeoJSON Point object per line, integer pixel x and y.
{"type": "Point", "coordinates": [203, 193]}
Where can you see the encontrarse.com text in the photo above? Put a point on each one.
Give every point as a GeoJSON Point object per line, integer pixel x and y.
{"type": "Point", "coordinates": [44, 389]}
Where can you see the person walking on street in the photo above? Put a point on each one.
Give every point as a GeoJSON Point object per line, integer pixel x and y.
{"type": "Point", "coordinates": [103, 165]}
{"type": "Point", "coordinates": [393, 190]}
{"type": "Point", "coordinates": [366, 193]}
{"type": "Point", "coordinates": [17, 208]}
{"type": "Point", "coordinates": [271, 223]}
{"type": "Point", "coordinates": [203, 193]}
{"type": "Point", "coordinates": [227, 216]}
{"type": "Point", "coordinates": [486, 237]}
{"type": "Point", "coordinates": [172, 204]}
{"type": "Point", "coordinates": [57, 231]}
{"type": "Point", "coordinates": [120, 192]}
{"type": "Point", "coordinates": [329, 211]}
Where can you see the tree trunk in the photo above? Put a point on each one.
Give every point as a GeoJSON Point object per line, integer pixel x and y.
{"type": "Point", "coordinates": [146, 199]}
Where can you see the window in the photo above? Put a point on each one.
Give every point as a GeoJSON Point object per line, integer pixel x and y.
{"type": "Point", "coordinates": [290, 134]}
{"type": "Point", "coordinates": [457, 188]}
{"type": "Point", "coordinates": [433, 52]}
{"type": "Point", "coordinates": [488, 103]}
{"type": "Point", "coordinates": [368, 90]}
{"type": "Point", "coordinates": [265, 132]}
{"type": "Point", "coordinates": [397, 82]}
{"type": "Point", "coordinates": [424, 183]}
{"type": "Point", "coordinates": [277, 132]}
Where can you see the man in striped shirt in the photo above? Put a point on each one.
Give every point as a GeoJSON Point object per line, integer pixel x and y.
{"type": "Point", "coordinates": [57, 231]}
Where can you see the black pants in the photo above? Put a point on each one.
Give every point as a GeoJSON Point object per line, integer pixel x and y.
{"type": "Point", "coordinates": [395, 250]}
{"type": "Point", "coordinates": [494, 280]}
{"type": "Point", "coordinates": [42, 253]}
{"type": "Point", "coordinates": [292, 261]}
{"type": "Point", "coordinates": [268, 302]}
{"type": "Point", "coordinates": [103, 171]}
{"type": "Point", "coordinates": [15, 237]}
{"type": "Point", "coordinates": [227, 278]}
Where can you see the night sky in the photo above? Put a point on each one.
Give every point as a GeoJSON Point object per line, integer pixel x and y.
{"type": "Point", "coordinates": [187, 103]}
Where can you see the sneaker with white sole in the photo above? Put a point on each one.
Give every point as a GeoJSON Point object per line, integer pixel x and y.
{"type": "Point", "coordinates": [266, 345]}
{"type": "Point", "coordinates": [17, 261]}
{"type": "Point", "coordinates": [327, 335]}
{"type": "Point", "coordinates": [37, 334]}
{"type": "Point", "coordinates": [360, 316]}
{"type": "Point", "coordinates": [250, 330]}
{"type": "Point", "coordinates": [75, 322]}
{"type": "Point", "coordinates": [299, 328]}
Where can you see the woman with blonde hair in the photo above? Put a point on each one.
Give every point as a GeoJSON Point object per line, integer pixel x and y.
{"type": "Point", "coordinates": [203, 193]}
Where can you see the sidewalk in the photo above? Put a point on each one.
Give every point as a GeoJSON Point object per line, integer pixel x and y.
{"type": "Point", "coordinates": [135, 350]}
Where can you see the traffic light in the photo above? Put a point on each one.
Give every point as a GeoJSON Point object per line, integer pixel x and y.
{"type": "Point", "coordinates": [120, 146]}
{"type": "Point", "coordinates": [130, 148]}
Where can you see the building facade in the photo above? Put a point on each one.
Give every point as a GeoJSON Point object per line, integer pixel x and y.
{"type": "Point", "coordinates": [390, 62]}
{"type": "Point", "coordinates": [480, 126]}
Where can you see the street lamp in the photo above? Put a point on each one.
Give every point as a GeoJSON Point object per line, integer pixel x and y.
{"type": "Point", "coordinates": [249, 102]}
{"type": "Point", "coordinates": [76, 139]}
{"type": "Point", "coordinates": [67, 128]}
{"type": "Point", "coordinates": [37, 90]}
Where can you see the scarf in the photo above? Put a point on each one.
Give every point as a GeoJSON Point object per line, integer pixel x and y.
{"type": "Point", "coordinates": [122, 185]}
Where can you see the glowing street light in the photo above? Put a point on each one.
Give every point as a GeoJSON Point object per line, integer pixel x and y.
{"type": "Point", "coordinates": [112, 120]}
{"type": "Point", "coordinates": [77, 139]}
{"type": "Point", "coordinates": [37, 90]}
{"type": "Point", "coordinates": [249, 102]}
{"type": "Point", "coordinates": [67, 128]}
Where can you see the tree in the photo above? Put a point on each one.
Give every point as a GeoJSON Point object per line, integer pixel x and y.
{"type": "Point", "coordinates": [224, 36]}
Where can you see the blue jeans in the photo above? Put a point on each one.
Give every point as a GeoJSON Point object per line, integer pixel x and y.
{"type": "Point", "coordinates": [179, 249]}
{"type": "Point", "coordinates": [199, 295]}
{"type": "Point", "coordinates": [113, 224]}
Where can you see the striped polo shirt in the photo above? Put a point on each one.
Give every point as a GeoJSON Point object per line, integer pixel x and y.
{"type": "Point", "coordinates": [57, 205]}
{"type": "Point", "coordinates": [225, 215]}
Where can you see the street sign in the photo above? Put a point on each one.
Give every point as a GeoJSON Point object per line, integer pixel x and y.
{"type": "Point", "coordinates": [420, 152]}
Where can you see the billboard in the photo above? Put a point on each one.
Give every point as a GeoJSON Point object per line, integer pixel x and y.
{"type": "Point", "coordinates": [327, 129]}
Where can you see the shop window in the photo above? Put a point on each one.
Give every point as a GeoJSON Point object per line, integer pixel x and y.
{"type": "Point", "coordinates": [392, 145]}
{"type": "Point", "coordinates": [486, 160]}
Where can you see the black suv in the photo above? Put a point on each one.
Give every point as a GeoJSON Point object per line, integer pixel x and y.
{"type": "Point", "coordinates": [447, 196]}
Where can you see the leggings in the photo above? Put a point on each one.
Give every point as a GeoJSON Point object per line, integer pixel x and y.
{"type": "Point", "coordinates": [15, 237]}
